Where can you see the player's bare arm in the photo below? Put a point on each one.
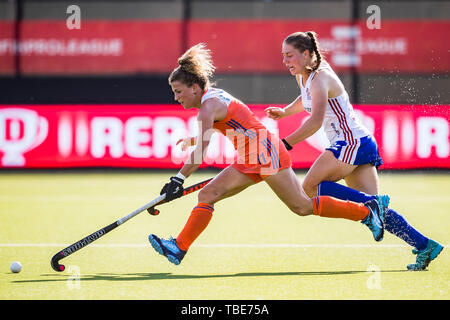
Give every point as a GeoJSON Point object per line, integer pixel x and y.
{"type": "Point", "coordinates": [319, 94]}
{"type": "Point", "coordinates": [277, 113]}
{"type": "Point", "coordinates": [210, 111]}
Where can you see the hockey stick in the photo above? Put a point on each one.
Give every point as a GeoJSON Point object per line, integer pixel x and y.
{"type": "Point", "coordinates": [100, 233]}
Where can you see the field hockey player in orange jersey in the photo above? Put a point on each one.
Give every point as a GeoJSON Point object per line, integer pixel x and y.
{"type": "Point", "coordinates": [261, 157]}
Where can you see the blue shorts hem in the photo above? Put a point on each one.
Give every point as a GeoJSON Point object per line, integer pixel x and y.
{"type": "Point", "coordinates": [367, 152]}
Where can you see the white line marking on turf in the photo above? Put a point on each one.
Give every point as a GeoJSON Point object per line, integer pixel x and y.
{"type": "Point", "coordinates": [96, 198]}
{"type": "Point", "coordinates": [294, 245]}
{"type": "Point", "coordinates": [217, 245]}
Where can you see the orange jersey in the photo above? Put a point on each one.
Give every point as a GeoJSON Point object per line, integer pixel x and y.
{"type": "Point", "coordinates": [259, 151]}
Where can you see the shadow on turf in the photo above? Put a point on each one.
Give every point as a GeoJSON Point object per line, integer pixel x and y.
{"type": "Point", "coordinates": [170, 276]}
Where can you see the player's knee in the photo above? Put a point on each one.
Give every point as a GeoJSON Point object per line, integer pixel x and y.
{"type": "Point", "coordinates": [310, 189]}
{"type": "Point", "coordinates": [209, 195]}
{"type": "Point", "coordinates": [300, 209]}
{"type": "Point", "coordinates": [302, 206]}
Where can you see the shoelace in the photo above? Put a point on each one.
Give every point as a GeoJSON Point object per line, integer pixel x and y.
{"type": "Point", "coordinates": [173, 244]}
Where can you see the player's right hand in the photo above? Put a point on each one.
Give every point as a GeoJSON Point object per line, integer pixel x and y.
{"type": "Point", "coordinates": [275, 113]}
{"type": "Point", "coordinates": [186, 143]}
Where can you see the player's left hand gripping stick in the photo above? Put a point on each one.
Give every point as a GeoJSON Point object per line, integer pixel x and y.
{"type": "Point", "coordinates": [100, 233]}
{"type": "Point", "coordinates": [154, 212]}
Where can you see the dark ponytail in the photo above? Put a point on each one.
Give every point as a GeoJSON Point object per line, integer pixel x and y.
{"type": "Point", "coordinates": [315, 47]}
{"type": "Point", "coordinates": [306, 41]}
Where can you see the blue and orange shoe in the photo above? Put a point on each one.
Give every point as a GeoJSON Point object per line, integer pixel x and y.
{"type": "Point", "coordinates": [375, 220]}
{"type": "Point", "coordinates": [167, 248]}
{"type": "Point", "coordinates": [425, 256]}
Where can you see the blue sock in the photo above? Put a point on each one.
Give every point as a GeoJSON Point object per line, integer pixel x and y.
{"type": "Point", "coordinates": [394, 222]}
{"type": "Point", "coordinates": [333, 189]}
{"type": "Point", "coordinates": [398, 226]}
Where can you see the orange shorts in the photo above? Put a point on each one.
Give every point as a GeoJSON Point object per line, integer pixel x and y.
{"type": "Point", "coordinates": [272, 158]}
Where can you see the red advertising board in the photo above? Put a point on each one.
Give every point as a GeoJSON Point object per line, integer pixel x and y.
{"type": "Point", "coordinates": [392, 47]}
{"type": "Point", "coordinates": [104, 46]}
{"type": "Point", "coordinates": [7, 63]}
{"type": "Point", "coordinates": [144, 136]}
{"type": "Point", "coordinates": [238, 45]}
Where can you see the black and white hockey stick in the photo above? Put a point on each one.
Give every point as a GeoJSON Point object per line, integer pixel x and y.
{"type": "Point", "coordinates": [100, 233]}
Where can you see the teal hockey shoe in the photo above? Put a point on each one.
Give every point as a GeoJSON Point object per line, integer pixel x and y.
{"type": "Point", "coordinates": [425, 256]}
{"type": "Point", "coordinates": [373, 220]}
{"type": "Point", "coordinates": [383, 203]}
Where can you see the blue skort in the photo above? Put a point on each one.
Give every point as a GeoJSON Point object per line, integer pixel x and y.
{"type": "Point", "coordinates": [360, 151]}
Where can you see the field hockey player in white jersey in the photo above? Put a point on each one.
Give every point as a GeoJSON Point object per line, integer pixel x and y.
{"type": "Point", "coordinates": [353, 152]}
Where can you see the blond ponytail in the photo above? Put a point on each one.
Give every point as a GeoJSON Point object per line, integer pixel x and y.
{"type": "Point", "coordinates": [195, 66]}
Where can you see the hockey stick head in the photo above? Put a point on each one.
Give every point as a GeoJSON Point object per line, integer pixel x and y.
{"type": "Point", "coordinates": [55, 262]}
{"type": "Point", "coordinates": [153, 211]}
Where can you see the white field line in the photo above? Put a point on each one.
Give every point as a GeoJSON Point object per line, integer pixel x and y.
{"type": "Point", "coordinates": [218, 245]}
{"type": "Point", "coordinates": [5, 198]}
